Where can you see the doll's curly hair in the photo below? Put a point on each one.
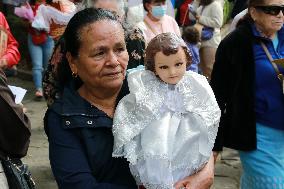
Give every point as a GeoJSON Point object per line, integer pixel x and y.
{"type": "Point", "coordinates": [168, 44]}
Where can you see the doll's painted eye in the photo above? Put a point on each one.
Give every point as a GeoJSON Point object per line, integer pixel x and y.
{"type": "Point", "coordinates": [179, 64]}
{"type": "Point", "coordinates": [163, 67]}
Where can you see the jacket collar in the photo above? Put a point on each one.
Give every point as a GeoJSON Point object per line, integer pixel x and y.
{"type": "Point", "coordinates": [72, 103]}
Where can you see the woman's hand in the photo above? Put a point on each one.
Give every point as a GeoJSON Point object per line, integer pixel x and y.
{"type": "Point", "coordinates": [215, 154]}
{"type": "Point", "coordinates": [200, 180]}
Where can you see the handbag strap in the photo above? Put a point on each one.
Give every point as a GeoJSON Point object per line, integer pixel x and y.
{"type": "Point", "coordinates": [279, 74]}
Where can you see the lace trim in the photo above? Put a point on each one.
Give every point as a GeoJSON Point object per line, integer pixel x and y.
{"type": "Point", "coordinates": [144, 86]}
{"type": "Point", "coordinates": [163, 184]}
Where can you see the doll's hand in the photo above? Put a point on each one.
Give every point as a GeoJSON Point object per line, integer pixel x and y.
{"type": "Point", "coordinates": [200, 180]}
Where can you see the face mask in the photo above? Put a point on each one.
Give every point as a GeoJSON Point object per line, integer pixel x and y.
{"type": "Point", "coordinates": [159, 11]}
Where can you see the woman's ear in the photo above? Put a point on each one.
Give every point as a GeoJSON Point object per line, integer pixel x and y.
{"type": "Point", "coordinates": [72, 63]}
{"type": "Point", "coordinates": [253, 13]}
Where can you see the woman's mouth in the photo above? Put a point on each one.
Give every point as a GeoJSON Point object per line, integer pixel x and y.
{"type": "Point", "coordinates": [113, 74]}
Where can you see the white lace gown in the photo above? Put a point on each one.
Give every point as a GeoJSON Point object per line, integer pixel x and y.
{"type": "Point", "coordinates": [166, 132]}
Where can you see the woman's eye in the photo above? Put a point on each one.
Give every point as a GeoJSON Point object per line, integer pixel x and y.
{"type": "Point", "coordinates": [121, 49]}
{"type": "Point", "coordinates": [98, 54]}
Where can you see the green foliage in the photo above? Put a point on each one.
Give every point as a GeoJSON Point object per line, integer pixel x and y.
{"type": "Point", "coordinates": [228, 7]}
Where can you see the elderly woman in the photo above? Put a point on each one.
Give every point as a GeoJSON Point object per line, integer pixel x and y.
{"type": "Point", "coordinates": [79, 123]}
{"type": "Point", "coordinates": [248, 88]}
{"type": "Point", "coordinates": [135, 45]}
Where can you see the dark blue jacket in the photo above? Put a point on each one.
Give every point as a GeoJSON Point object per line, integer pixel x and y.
{"type": "Point", "coordinates": [80, 145]}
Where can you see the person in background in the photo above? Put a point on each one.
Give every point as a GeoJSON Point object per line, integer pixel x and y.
{"type": "Point", "coordinates": [53, 17]}
{"type": "Point", "coordinates": [191, 37]}
{"type": "Point", "coordinates": [9, 55]}
{"type": "Point", "coordinates": [15, 129]}
{"type": "Point", "coordinates": [79, 123]}
{"type": "Point", "coordinates": [135, 45]}
{"type": "Point", "coordinates": [156, 21]}
{"type": "Point", "coordinates": [209, 14]}
{"type": "Point", "coordinates": [182, 17]}
{"type": "Point", "coordinates": [249, 90]}
{"type": "Point", "coordinates": [40, 45]}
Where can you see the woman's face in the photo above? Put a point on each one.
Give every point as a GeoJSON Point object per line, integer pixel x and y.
{"type": "Point", "coordinates": [267, 17]}
{"type": "Point", "coordinates": [102, 58]}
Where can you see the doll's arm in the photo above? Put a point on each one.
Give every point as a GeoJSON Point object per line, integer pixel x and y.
{"type": "Point", "coordinates": [200, 180]}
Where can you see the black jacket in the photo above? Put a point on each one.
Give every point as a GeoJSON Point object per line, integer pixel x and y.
{"type": "Point", "coordinates": [80, 145]}
{"type": "Point", "coordinates": [232, 81]}
{"type": "Point", "coordinates": [14, 124]}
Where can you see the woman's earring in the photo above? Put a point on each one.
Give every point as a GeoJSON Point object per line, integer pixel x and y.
{"type": "Point", "coordinates": [74, 75]}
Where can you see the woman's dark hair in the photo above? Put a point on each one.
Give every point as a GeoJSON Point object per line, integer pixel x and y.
{"type": "Point", "coordinates": [150, 1]}
{"type": "Point", "coordinates": [168, 44]}
{"type": "Point", "coordinates": [72, 38]}
{"type": "Point", "coordinates": [205, 2]}
{"type": "Point", "coordinates": [32, 2]}
{"type": "Point", "coordinates": [191, 35]}
{"type": "Point", "coordinates": [247, 17]}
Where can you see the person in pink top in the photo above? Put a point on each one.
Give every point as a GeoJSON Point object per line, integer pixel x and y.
{"type": "Point", "coordinates": [156, 21]}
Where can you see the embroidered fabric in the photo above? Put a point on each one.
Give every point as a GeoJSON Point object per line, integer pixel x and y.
{"type": "Point", "coordinates": [166, 132]}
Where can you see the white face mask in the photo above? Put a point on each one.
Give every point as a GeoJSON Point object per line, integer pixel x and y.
{"type": "Point", "coordinates": [159, 11]}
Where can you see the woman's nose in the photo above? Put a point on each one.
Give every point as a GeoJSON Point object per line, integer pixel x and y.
{"type": "Point", "coordinates": [112, 59]}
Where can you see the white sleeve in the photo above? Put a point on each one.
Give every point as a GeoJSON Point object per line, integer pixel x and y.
{"type": "Point", "coordinates": [214, 18]}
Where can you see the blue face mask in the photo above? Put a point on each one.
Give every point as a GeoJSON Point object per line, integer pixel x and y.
{"type": "Point", "coordinates": [159, 11]}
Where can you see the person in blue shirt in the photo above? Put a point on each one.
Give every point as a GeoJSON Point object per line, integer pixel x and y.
{"type": "Point", "coordinates": [79, 123]}
{"type": "Point", "coordinates": [250, 94]}
{"type": "Point", "coordinates": [191, 37]}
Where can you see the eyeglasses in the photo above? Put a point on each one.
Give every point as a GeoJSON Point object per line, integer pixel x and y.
{"type": "Point", "coordinates": [271, 9]}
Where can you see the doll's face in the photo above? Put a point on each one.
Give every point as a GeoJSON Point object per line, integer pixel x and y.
{"type": "Point", "coordinates": [170, 68]}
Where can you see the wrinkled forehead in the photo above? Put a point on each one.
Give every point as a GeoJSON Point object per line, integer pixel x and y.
{"type": "Point", "coordinates": [101, 29]}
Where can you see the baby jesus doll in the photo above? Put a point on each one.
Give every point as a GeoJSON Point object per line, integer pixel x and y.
{"type": "Point", "coordinates": [166, 126]}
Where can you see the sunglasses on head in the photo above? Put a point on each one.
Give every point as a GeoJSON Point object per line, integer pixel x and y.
{"type": "Point", "coordinates": [271, 9]}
